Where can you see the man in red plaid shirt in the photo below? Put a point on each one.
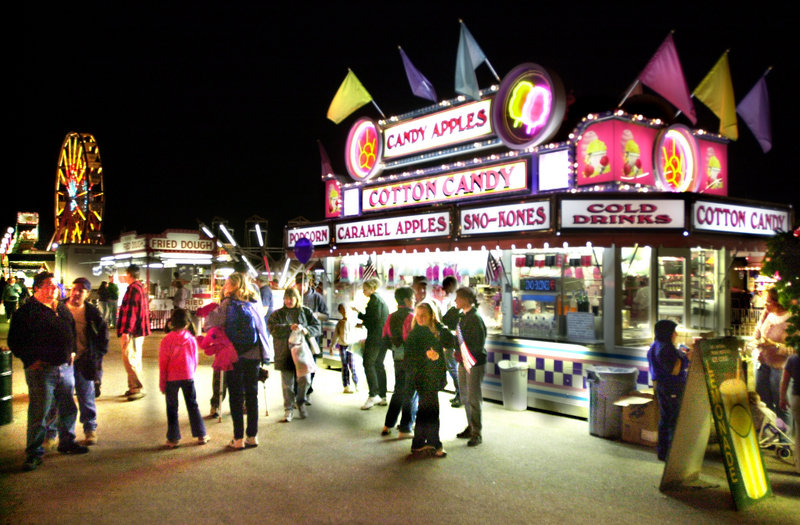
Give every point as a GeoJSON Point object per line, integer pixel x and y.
{"type": "Point", "coordinates": [133, 325]}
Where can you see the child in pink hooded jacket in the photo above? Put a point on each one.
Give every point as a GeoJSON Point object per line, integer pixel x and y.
{"type": "Point", "coordinates": [177, 360]}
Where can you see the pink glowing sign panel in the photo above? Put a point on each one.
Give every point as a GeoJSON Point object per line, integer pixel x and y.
{"type": "Point", "coordinates": [333, 199]}
{"type": "Point", "coordinates": [677, 160]}
{"type": "Point", "coordinates": [713, 167]}
{"type": "Point", "coordinates": [615, 151]}
{"type": "Point", "coordinates": [364, 150]}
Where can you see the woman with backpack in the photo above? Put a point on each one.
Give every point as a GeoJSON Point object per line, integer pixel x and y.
{"type": "Point", "coordinates": [239, 316]}
{"type": "Point", "coordinates": [293, 317]}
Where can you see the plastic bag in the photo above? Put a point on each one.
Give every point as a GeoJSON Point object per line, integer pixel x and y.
{"type": "Point", "coordinates": [301, 354]}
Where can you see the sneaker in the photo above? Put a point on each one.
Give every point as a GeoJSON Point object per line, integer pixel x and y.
{"type": "Point", "coordinates": [135, 396]}
{"type": "Point", "coordinates": [172, 444]}
{"type": "Point", "coordinates": [236, 444]}
{"type": "Point", "coordinates": [303, 412]}
{"type": "Point", "coordinates": [385, 431]}
{"type": "Point", "coordinates": [73, 448]}
{"type": "Point", "coordinates": [251, 441]}
{"type": "Point", "coordinates": [214, 413]}
{"type": "Point", "coordinates": [90, 437]}
{"type": "Point", "coordinates": [440, 453]}
{"type": "Point", "coordinates": [347, 390]}
{"type": "Point", "coordinates": [371, 401]}
{"type": "Point", "coordinates": [50, 444]}
{"type": "Point", "coordinates": [474, 441]}
{"type": "Point", "coordinates": [456, 403]}
{"type": "Point", "coordinates": [464, 434]}
{"type": "Point", "coordinates": [32, 463]}
{"type": "Point", "coordinates": [383, 402]}
{"type": "Point", "coordinates": [423, 450]}
{"type": "Point", "coordinates": [287, 417]}
{"type": "Point", "coordinates": [127, 393]}
{"type": "Point", "coordinates": [202, 440]}
{"type": "Point", "coordinates": [405, 435]}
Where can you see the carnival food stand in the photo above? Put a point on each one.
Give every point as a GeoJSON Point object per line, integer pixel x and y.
{"type": "Point", "coordinates": [187, 253]}
{"type": "Point", "coordinates": [575, 248]}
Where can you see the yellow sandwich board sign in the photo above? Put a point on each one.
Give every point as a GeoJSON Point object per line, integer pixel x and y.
{"type": "Point", "coordinates": [714, 374]}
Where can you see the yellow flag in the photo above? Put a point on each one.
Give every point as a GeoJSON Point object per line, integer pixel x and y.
{"type": "Point", "coordinates": [716, 92]}
{"type": "Point", "coordinates": [350, 96]}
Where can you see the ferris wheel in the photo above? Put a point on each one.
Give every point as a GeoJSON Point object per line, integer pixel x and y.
{"type": "Point", "coordinates": [80, 201]}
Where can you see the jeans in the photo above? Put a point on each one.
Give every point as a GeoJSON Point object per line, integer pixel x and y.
{"type": "Point", "coordinates": [669, 403]}
{"type": "Point", "coordinates": [768, 384]}
{"type": "Point", "coordinates": [84, 390]}
{"type": "Point", "coordinates": [218, 388]}
{"type": "Point", "coordinates": [469, 384]}
{"type": "Point", "coordinates": [404, 399]}
{"type": "Point", "coordinates": [374, 354]}
{"type": "Point", "coordinates": [294, 389]}
{"type": "Point", "coordinates": [195, 419]}
{"type": "Point", "coordinates": [452, 367]}
{"type": "Point", "coordinates": [426, 431]}
{"type": "Point", "coordinates": [243, 390]}
{"type": "Point", "coordinates": [48, 386]}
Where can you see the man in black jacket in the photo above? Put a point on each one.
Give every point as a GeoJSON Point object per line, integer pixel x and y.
{"type": "Point", "coordinates": [42, 335]}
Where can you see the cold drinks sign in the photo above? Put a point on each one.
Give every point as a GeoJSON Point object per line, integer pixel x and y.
{"type": "Point", "coordinates": [599, 213]}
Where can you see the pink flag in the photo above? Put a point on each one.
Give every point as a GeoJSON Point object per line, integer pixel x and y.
{"type": "Point", "coordinates": [325, 162]}
{"type": "Point", "coordinates": [664, 75]}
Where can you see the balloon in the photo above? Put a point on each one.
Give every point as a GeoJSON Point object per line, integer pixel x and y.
{"type": "Point", "coordinates": [303, 250]}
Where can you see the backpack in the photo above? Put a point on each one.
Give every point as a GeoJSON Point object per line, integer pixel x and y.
{"type": "Point", "coordinates": [240, 326]}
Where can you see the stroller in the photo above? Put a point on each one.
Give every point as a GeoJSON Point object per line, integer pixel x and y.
{"type": "Point", "coordinates": [772, 431]}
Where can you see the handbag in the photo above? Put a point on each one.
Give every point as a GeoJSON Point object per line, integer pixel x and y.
{"type": "Point", "coordinates": [301, 354]}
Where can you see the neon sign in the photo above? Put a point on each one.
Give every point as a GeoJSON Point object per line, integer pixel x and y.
{"type": "Point", "coordinates": [529, 106]}
{"type": "Point", "coordinates": [677, 159]}
{"type": "Point", "coordinates": [363, 153]}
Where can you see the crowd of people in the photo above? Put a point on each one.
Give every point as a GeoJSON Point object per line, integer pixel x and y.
{"type": "Point", "coordinates": [61, 338]}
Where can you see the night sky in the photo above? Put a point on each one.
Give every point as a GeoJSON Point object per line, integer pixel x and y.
{"type": "Point", "coordinates": [215, 111]}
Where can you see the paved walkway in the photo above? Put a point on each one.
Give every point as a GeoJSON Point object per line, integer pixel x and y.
{"type": "Point", "coordinates": [335, 468]}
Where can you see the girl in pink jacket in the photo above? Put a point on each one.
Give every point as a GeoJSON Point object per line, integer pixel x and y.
{"type": "Point", "coordinates": [177, 360]}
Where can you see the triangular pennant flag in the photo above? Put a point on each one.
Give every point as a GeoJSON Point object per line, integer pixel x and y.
{"type": "Point", "coordinates": [350, 96]}
{"type": "Point", "coordinates": [754, 110]}
{"type": "Point", "coordinates": [664, 75]}
{"type": "Point", "coordinates": [325, 162]}
{"type": "Point", "coordinates": [468, 58]}
{"type": "Point", "coordinates": [420, 85]}
{"type": "Point", "coordinates": [716, 92]}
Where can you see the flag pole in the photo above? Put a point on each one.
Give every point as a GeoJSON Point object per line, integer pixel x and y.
{"type": "Point", "coordinates": [379, 109]}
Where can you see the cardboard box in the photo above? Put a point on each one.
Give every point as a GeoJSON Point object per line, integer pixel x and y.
{"type": "Point", "coordinates": [639, 418]}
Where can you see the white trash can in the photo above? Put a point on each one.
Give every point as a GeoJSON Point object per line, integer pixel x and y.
{"type": "Point", "coordinates": [514, 378]}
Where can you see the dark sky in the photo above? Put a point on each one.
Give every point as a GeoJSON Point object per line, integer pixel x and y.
{"type": "Point", "coordinates": [204, 111]}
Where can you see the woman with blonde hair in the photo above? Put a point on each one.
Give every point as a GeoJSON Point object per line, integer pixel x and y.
{"type": "Point", "coordinates": [293, 316]}
{"type": "Point", "coordinates": [373, 319]}
{"type": "Point", "coordinates": [238, 313]}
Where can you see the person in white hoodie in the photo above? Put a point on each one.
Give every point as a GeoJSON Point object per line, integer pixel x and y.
{"type": "Point", "coordinates": [177, 360]}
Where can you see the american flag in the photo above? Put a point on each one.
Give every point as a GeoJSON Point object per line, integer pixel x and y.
{"type": "Point", "coordinates": [494, 269]}
{"type": "Point", "coordinates": [369, 269]}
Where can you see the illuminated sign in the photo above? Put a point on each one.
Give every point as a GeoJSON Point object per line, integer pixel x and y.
{"type": "Point", "coordinates": [615, 150]}
{"type": "Point", "coordinates": [181, 242]}
{"type": "Point", "coordinates": [469, 184]}
{"type": "Point", "coordinates": [363, 150]}
{"type": "Point", "coordinates": [129, 243]}
{"type": "Point", "coordinates": [530, 216]}
{"type": "Point", "coordinates": [713, 167]}
{"type": "Point", "coordinates": [394, 228]}
{"type": "Point", "coordinates": [529, 106]}
{"type": "Point", "coordinates": [554, 170]}
{"type": "Point", "coordinates": [318, 235]}
{"type": "Point", "coordinates": [676, 159]}
{"type": "Point", "coordinates": [445, 128]}
{"type": "Point", "coordinates": [612, 214]}
{"type": "Point", "coordinates": [27, 217]}
{"type": "Point", "coordinates": [751, 220]}
{"type": "Point", "coordinates": [333, 199]}
{"type": "Point", "coordinates": [539, 284]}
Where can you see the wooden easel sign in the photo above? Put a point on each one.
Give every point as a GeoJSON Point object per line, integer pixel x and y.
{"type": "Point", "coordinates": [714, 374]}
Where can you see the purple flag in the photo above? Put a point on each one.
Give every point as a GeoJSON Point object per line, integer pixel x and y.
{"type": "Point", "coordinates": [664, 75]}
{"type": "Point", "coordinates": [754, 110]}
{"type": "Point", "coordinates": [420, 85]}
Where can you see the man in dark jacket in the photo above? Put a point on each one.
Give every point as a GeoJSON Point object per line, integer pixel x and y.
{"type": "Point", "coordinates": [92, 345]}
{"type": "Point", "coordinates": [395, 332]}
{"type": "Point", "coordinates": [42, 335]}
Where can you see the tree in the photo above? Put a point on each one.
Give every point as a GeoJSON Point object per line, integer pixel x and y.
{"type": "Point", "coordinates": [782, 262]}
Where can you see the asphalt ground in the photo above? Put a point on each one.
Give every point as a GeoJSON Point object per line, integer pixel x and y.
{"type": "Point", "coordinates": [334, 467]}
